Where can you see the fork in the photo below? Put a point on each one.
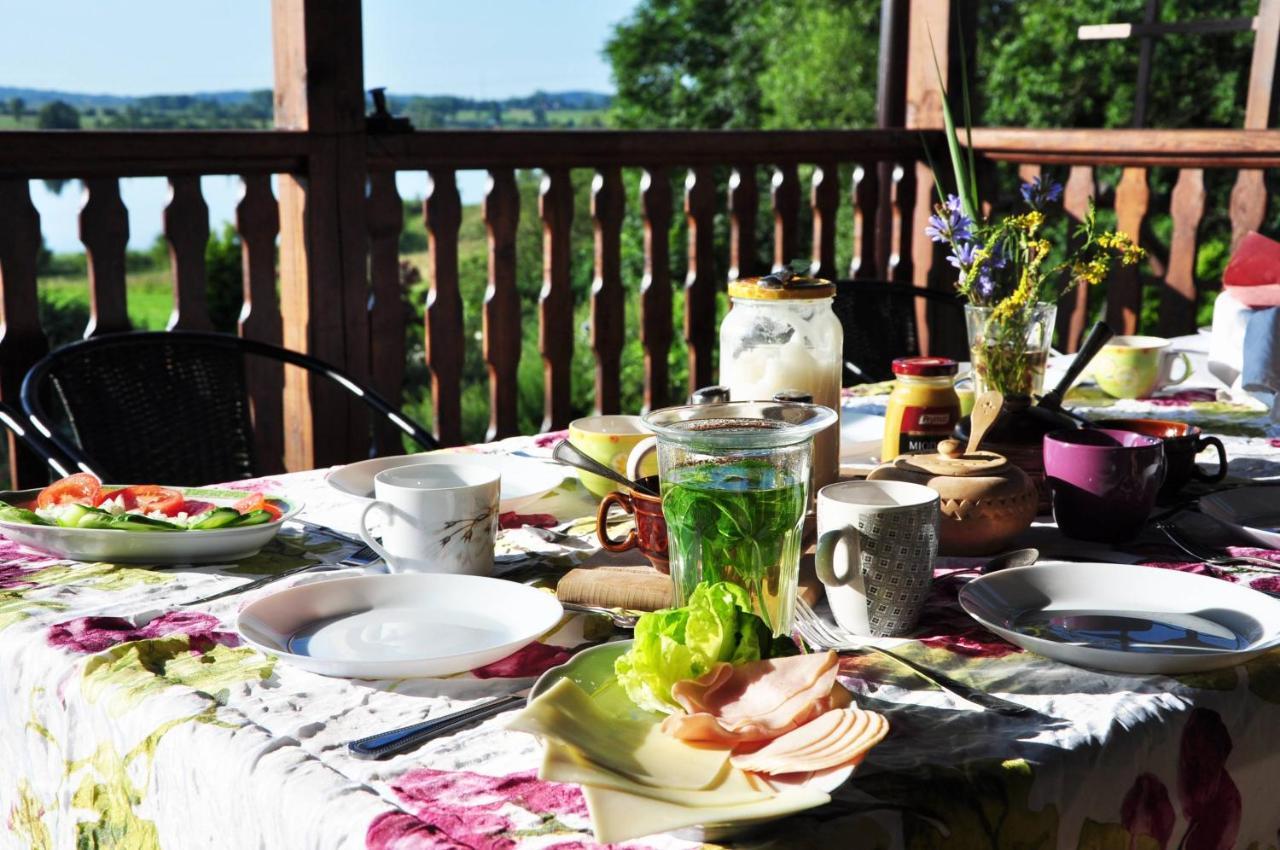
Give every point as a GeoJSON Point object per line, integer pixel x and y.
{"type": "Point", "coordinates": [816, 632]}
{"type": "Point", "coordinates": [1180, 539]}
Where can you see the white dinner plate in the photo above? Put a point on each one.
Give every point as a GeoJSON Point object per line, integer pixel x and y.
{"type": "Point", "coordinates": [398, 626]}
{"type": "Point", "coordinates": [1252, 510]}
{"type": "Point", "coordinates": [592, 670]}
{"type": "Point", "coordinates": [1125, 618]}
{"type": "Point", "coordinates": [214, 546]}
{"type": "Point", "coordinates": [524, 480]}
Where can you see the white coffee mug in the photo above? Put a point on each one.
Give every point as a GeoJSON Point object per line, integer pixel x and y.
{"type": "Point", "coordinates": [440, 518]}
{"type": "Point", "coordinates": [877, 541]}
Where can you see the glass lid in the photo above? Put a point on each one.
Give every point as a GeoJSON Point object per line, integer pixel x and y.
{"type": "Point", "coordinates": [740, 424]}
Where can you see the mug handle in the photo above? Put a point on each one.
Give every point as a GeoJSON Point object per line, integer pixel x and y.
{"type": "Point", "coordinates": [1186, 369]}
{"type": "Point", "coordinates": [824, 557]}
{"type": "Point", "coordinates": [1201, 445]}
{"type": "Point", "coordinates": [639, 452]}
{"type": "Point", "coordinates": [368, 538]}
{"type": "Point", "coordinates": [602, 523]}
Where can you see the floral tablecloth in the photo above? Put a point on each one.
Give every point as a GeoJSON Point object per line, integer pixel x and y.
{"type": "Point", "coordinates": [172, 734]}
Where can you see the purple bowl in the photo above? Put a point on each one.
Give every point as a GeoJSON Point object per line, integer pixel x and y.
{"type": "Point", "coordinates": [1104, 483]}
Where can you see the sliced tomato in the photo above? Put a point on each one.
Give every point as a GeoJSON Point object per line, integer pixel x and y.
{"type": "Point", "coordinates": [81, 488]}
{"type": "Point", "coordinates": [149, 498]}
{"type": "Point", "coordinates": [258, 502]}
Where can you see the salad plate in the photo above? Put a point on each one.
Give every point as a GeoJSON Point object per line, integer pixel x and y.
{"type": "Point", "coordinates": [592, 670]}
{"type": "Point", "coordinates": [1255, 511]}
{"type": "Point", "coordinates": [398, 626]}
{"type": "Point", "coordinates": [524, 480]}
{"type": "Point", "coordinates": [188, 546]}
{"type": "Point", "coordinates": [1125, 618]}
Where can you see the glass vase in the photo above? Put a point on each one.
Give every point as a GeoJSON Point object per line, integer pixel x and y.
{"type": "Point", "coordinates": [1009, 353]}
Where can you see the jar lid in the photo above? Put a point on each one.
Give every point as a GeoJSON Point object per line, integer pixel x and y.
{"type": "Point", "coordinates": [782, 285]}
{"type": "Point", "coordinates": [925, 367]}
{"type": "Point", "coordinates": [953, 463]}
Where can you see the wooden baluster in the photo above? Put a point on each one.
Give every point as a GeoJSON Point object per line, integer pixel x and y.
{"type": "Point", "coordinates": [904, 203]}
{"type": "Point", "coordinates": [825, 201]}
{"type": "Point", "coordinates": [384, 216]}
{"type": "Point", "coordinates": [1073, 311]}
{"type": "Point", "coordinates": [655, 287]}
{"type": "Point", "coordinates": [1124, 293]}
{"type": "Point", "coordinates": [744, 202]}
{"type": "Point", "coordinates": [608, 322]}
{"type": "Point", "coordinates": [258, 222]}
{"type": "Point", "coordinates": [442, 213]}
{"type": "Point", "coordinates": [104, 230]}
{"type": "Point", "coordinates": [1248, 204]}
{"type": "Point", "coordinates": [866, 203]}
{"type": "Point", "coordinates": [786, 211]}
{"type": "Point", "coordinates": [22, 341]}
{"type": "Point", "coordinates": [502, 334]}
{"type": "Point", "coordinates": [914, 199]}
{"type": "Point", "coordinates": [555, 304]}
{"type": "Point", "coordinates": [1178, 300]}
{"type": "Point", "coordinates": [186, 228]}
{"type": "Point", "coordinates": [700, 282]}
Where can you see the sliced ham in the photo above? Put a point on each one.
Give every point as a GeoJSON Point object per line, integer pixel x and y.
{"type": "Point", "coordinates": [757, 701]}
{"type": "Point", "coordinates": [836, 738]}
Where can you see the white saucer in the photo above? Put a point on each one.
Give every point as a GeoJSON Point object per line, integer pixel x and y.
{"type": "Point", "coordinates": [524, 480]}
{"type": "Point", "coordinates": [1125, 618]}
{"type": "Point", "coordinates": [1254, 511]}
{"type": "Point", "coordinates": [398, 626]}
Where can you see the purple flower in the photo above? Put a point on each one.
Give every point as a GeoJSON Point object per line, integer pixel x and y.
{"type": "Point", "coordinates": [94, 634]}
{"type": "Point", "coordinates": [1040, 191]}
{"type": "Point", "coordinates": [986, 285]}
{"type": "Point", "coordinates": [952, 204]}
{"type": "Point", "coordinates": [947, 225]}
{"type": "Point", "coordinates": [962, 254]}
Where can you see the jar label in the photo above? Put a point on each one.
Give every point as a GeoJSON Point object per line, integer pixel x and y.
{"type": "Point", "coordinates": [924, 427]}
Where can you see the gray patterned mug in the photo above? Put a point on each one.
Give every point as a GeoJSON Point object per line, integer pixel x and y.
{"type": "Point", "coordinates": [876, 545]}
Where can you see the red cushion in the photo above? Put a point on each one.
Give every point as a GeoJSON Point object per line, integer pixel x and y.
{"type": "Point", "coordinates": [1256, 261]}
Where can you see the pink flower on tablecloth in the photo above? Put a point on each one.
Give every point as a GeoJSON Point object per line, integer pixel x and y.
{"type": "Point", "coordinates": [1267, 584]}
{"type": "Point", "coordinates": [12, 577]}
{"type": "Point", "coordinates": [1189, 567]}
{"type": "Point", "coordinates": [532, 660]}
{"type": "Point", "coordinates": [450, 809]}
{"type": "Point", "coordinates": [511, 519]}
{"type": "Point", "coordinates": [1146, 811]}
{"type": "Point", "coordinates": [251, 485]}
{"type": "Point", "coordinates": [1253, 552]}
{"type": "Point", "coordinates": [94, 634]}
{"type": "Point", "coordinates": [1274, 442]}
{"type": "Point", "coordinates": [1210, 799]}
{"type": "Point", "coordinates": [945, 625]}
{"type": "Point", "coordinates": [1183, 398]}
{"type": "Point", "coordinates": [550, 438]}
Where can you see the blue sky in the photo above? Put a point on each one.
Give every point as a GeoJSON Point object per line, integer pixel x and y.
{"type": "Point", "coordinates": [477, 48]}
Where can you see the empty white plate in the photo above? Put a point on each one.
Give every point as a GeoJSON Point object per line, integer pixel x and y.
{"type": "Point", "coordinates": [1125, 618]}
{"type": "Point", "coordinates": [1252, 510]}
{"type": "Point", "coordinates": [524, 480]}
{"type": "Point", "coordinates": [398, 626]}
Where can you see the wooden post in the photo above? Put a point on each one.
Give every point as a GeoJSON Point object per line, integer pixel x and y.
{"type": "Point", "coordinates": [1249, 195]}
{"type": "Point", "coordinates": [319, 87]}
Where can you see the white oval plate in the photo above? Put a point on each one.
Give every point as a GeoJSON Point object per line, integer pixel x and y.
{"type": "Point", "coordinates": [215, 546]}
{"type": "Point", "coordinates": [524, 480]}
{"type": "Point", "coordinates": [592, 670]}
{"type": "Point", "coordinates": [1252, 510]}
{"type": "Point", "coordinates": [398, 626]}
{"type": "Point", "coordinates": [1125, 618]}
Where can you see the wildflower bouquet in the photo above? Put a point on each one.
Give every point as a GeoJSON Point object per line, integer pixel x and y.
{"type": "Point", "coordinates": [1005, 273]}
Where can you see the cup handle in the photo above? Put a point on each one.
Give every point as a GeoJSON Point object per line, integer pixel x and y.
{"type": "Point", "coordinates": [639, 452]}
{"type": "Point", "coordinates": [602, 523]}
{"type": "Point", "coordinates": [368, 538]}
{"type": "Point", "coordinates": [824, 557]}
{"type": "Point", "coordinates": [1186, 369]}
{"type": "Point", "coordinates": [1201, 445]}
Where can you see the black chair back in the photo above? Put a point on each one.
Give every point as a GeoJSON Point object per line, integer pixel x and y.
{"type": "Point", "coordinates": [879, 322]}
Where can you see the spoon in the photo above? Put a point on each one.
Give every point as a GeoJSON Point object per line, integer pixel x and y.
{"type": "Point", "coordinates": [569, 454]}
{"type": "Point", "coordinates": [1016, 558]}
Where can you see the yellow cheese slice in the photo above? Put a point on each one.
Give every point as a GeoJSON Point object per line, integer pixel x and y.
{"type": "Point", "coordinates": [638, 750]}
{"type": "Point", "coordinates": [562, 763]}
{"type": "Point", "coordinates": [619, 816]}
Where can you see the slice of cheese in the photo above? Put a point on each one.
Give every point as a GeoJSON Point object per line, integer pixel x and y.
{"type": "Point", "coordinates": [619, 816]}
{"type": "Point", "coordinates": [635, 749]}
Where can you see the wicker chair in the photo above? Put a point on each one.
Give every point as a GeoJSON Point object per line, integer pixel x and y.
{"type": "Point", "coordinates": [21, 427]}
{"type": "Point", "coordinates": [879, 321]}
{"type": "Point", "coordinates": [170, 407]}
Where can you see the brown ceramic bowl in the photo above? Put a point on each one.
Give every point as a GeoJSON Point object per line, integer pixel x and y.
{"type": "Point", "coordinates": [650, 532]}
{"type": "Point", "coordinates": [1182, 442]}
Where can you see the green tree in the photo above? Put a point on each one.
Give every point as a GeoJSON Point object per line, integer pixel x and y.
{"type": "Point", "coordinates": [224, 278]}
{"type": "Point", "coordinates": [17, 108]}
{"type": "Point", "coordinates": [58, 115]}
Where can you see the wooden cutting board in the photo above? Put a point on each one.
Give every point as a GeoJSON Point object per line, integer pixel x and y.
{"type": "Point", "coordinates": [646, 589]}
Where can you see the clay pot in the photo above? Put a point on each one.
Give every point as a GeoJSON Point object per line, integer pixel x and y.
{"type": "Point", "coordinates": [986, 501]}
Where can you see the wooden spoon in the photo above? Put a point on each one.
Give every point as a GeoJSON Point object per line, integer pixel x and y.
{"type": "Point", "coordinates": [986, 410]}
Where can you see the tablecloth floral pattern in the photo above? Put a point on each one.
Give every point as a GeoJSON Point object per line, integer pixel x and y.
{"type": "Point", "coordinates": [130, 721]}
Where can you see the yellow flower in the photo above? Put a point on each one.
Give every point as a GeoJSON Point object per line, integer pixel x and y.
{"type": "Point", "coordinates": [1020, 297]}
{"type": "Point", "coordinates": [1029, 222]}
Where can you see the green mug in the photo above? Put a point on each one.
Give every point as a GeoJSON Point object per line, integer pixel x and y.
{"type": "Point", "coordinates": [1137, 366]}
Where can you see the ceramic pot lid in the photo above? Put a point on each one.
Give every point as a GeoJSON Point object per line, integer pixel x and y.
{"type": "Point", "coordinates": [951, 460]}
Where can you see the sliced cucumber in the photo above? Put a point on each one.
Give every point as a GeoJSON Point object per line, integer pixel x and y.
{"type": "Point", "coordinates": [10, 513]}
{"type": "Point", "coordinates": [76, 516]}
{"type": "Point", "coordinates": [137, 522]}
{"type": "Point", "coordinates": [216, 518]}
{"type": "Point", "coordinates": [257, 517]}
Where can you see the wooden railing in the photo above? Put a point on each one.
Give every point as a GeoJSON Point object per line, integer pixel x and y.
{"type": "Point", "coordinates": [889, 198]}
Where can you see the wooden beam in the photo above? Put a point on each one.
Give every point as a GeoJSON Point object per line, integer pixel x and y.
{"type": "Point", "coordinates": [324, 287]}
